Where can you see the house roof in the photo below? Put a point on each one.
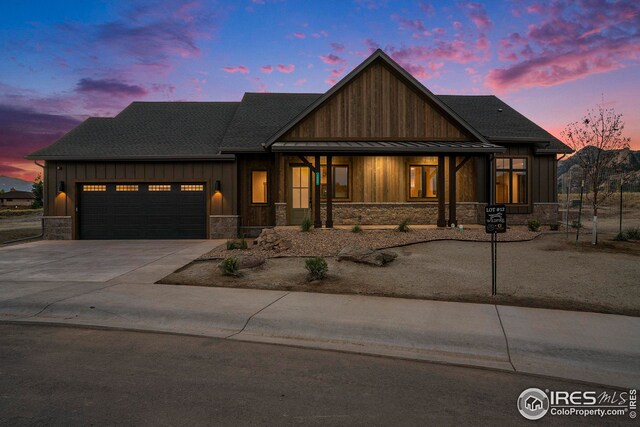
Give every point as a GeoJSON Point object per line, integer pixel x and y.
{"type": "Point", "coordinates": [499, 122]}
{"type": "Point", "coordinates": [216, 130]}
{"type": "Point", "coordinates": [15, 194]}
{"type": "Point", "coordinates": [148, 130]}
{"type": "Point", "coordinates": [387, 147]}
{"type": "Point", "coordinates": [260, 115]}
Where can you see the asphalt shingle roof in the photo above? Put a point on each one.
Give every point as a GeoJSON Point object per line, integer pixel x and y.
{"type": "Point", "coordinates": [148, 129]}
{"type": "Point", "coordinates": [483, 113]}
{"type": "Point", "coordinates": [183, 130]}
{"type": "Point", "coordinates": [260, 115]}
{"type": "Point", "coordinates": [17, 195]}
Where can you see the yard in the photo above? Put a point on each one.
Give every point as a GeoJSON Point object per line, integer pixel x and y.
{"type": "Point", "coordinates": [20, 223]}
{"type": "Point", "coordinates": [550, 271]}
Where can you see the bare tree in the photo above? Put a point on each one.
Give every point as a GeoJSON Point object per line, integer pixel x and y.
{"type": "Point", "coordinates": [597, 140]}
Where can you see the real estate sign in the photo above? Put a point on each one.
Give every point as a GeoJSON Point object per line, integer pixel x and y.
{"type": "Point", "coordinates": [495, 218]}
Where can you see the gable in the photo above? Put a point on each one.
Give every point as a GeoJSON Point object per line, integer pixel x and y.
{"type": "Point", "coordinates": [378, 104]}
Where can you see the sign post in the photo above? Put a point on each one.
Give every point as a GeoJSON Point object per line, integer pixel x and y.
{"type": "Point", "coordinates": [495, 220]}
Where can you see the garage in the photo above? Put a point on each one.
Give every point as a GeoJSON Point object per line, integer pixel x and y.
{"type": "Point", "coordinates": [142, 211]}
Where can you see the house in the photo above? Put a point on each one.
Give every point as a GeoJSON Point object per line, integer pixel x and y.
{"type": "Point", "coordinates": [377, 148]}
{"type": "Point", "coordinates": [16, 199]}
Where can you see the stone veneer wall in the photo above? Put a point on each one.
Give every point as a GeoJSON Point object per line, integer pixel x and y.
{"type": "Point", "coordinates": [546, 213]}
{"type": "Point", "coordinates": [281, 214]}
{"type": "Point", "coordinates": [57, 228]}
{"type": "Point", "coordinates": [392, 213]}
{"type": "Point", "coordinates": [223, 226]}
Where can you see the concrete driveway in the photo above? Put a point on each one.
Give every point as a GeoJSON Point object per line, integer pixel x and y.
{"type": "Point", "coordinates": [134, 261]}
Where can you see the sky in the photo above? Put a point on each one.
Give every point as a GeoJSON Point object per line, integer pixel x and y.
{"type": "Point", "coordinates": [65, 60]}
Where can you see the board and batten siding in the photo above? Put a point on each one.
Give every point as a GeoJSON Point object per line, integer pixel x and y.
{"type": "Point", "coordinates": [74, 173]}
{"type": "Point", "coordinates": [377, 105]}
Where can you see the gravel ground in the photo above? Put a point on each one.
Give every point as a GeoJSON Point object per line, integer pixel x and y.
{"type": "Point", "coordinates": [547, 272]}
{"type": "Point", "coordinates": [328, 242]}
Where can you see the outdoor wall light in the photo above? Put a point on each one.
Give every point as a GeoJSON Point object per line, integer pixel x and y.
{"type": "Point", "coordinates": [217, 186]}
{"type": "Point", "coordinates": [61, 188]}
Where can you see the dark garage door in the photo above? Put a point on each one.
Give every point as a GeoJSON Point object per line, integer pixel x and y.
{"type": "Point", "coordinates": [142, 211]}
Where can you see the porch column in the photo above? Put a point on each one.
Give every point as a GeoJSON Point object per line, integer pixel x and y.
{"type": "Point", "coordinates": [452, 189]}
{"type": "Point", "coordinates": [329, 223]}
{"type": "Point", "coordinates": [440, 191]}
{"type": "Point", "coordinates": [317, 220]}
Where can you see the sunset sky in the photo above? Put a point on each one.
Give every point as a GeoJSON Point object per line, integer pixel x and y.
{"type": "Point", "coordinates": [62, 61]}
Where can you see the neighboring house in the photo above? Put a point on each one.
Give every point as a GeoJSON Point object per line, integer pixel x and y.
{"type": "Point", "coordinates": [16, 199]}
{"type": "Point", "coordinates": [385, 148]}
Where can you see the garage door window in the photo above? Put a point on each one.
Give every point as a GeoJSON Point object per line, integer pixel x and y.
{"type": "Point", "coordinates": [126, 188]}
{"type": "Point", "coordinates": [160, 188]}
{"type": "Point", "coordinates": [192, 187]}
{"type": "Point", "coordinates": [94, 188]}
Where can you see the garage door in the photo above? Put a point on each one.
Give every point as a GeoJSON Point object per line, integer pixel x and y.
{"type": "Point", "coordinates": [142, 211]}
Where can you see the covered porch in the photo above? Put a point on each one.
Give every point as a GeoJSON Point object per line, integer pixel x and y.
{"type": "Point", "coordinates": [382, 183]}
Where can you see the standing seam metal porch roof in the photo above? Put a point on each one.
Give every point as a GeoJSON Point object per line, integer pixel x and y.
{"type": "Point", "coordinates": [387, 147]}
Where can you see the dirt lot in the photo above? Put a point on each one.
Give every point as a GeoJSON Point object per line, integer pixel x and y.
{"type": "Point", "coordinates": [548, 272]}
{"type": "Point", "coordinates": [20, 226]}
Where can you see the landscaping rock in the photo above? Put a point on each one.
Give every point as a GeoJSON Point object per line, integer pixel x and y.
{"type": "Point", "coordinates": [269, 240]}
{"type": "Point", "coordinates": [366, 255]}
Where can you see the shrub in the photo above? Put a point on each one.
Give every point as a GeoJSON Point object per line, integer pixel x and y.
{"type": "Point", "coordinates": [307, 224]}
{"type": "Point", "coordinates": [403, 227]}
{"type": "Point", "coordinates": [632, 233]}
{"type": "Point", "coordinates": [533, 224]}
{"type": "Point", "coordinates": [555, 226]}
{"type": "Point", "coordinates": [621, 237]}
{"type": "Point", "coordinates": [229, 266]}
{"type": "Point", "coordinates": [236, 244]}
{"type": "Point", "coordinates": [356, 229]}
{"type": "Point", "coordinates": [576, 224]}
{"type": "Point", "coordinates": [317, 268]}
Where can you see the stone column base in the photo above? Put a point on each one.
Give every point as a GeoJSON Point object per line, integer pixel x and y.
{"type": "Point", "coordinates": [281, 214]}
{"type": "Point", "coordinates": [57, 228]}
{"type": "Point", "coordinates": [223, 226]}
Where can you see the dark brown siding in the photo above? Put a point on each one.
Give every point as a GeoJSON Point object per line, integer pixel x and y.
{"type": "Point", "coordinates": [377, 105]}
{"type": "Point", "coordinates": [252, 215]}
{"type": "Point", "coordinates": [75, 173]}
{"type": "Point", "coordinates": [542, 176]}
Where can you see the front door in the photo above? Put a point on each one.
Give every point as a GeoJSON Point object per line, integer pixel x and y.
{"type": "Point", "coordinates": [299, 194]}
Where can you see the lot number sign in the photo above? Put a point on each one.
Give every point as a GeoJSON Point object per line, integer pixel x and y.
{"type": "Point", "coordinates": [495, 218]}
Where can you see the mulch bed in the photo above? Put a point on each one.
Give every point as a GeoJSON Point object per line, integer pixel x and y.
{"type": "Point", "coordinates": [328, 242]}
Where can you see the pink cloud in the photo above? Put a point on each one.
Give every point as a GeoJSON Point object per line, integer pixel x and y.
{"type": "Point", "coordinates": [110, 87]}
{"type": "Point", "coordinates": [319, 34]}
{"type": "Point", "coordinates": [534, 8]}
{"type": "Point", "coordinates": [457, 25]}
{"type": "Point", "coordinates": [337, 47]}
{"type": "Point", "coordinates": [267, 69]}
{"type": "Point", "coordinates": [300, 82]}
{"type": "Point", "coordinates": [239, 69]}
{"type": "Point", "coordinates": [334, 76]}
{"type": "Point", "coordinates": [478, 16]}
{"type": "Point", "coordinates": [299, 35]}
{"type": "Point", "coordinates": [427, 8]}
{"type": "Point", "coordinates": [287, 69]}
{"type": "Point", "coordinates": [331, 59]}
{"type": "Point", "coordinates": [569, 43]}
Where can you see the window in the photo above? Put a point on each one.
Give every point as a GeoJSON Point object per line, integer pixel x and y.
{"type": "Point", "coordinates": [160, 187]}
{"type": "Point", "coordinates": [94, 188]}
{"type": "Point", "coordinates": [259, 187]}
{"type": "Point", "coordinates": [511, 180]}
{"type": "Point", "coordinates": [191, 187]}
{"type": "Point", "coordinates": [300, 187]}
{"type": "Point", "coordinates": [423, 181]}
{"type": "Point", "coordinates": [340, 181]}
{"type": "Point", "coordinates": [126, 188]}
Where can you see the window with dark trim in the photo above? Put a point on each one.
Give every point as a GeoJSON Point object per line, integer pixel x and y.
{"type": "Point", "coordinates": [511, 181]}
{"type": "Point", "coordinates": [423, 181]}
{"type": "Point", "coordinates": [340, 177]}
{"type": "Point", "coordinates": [259, 187]}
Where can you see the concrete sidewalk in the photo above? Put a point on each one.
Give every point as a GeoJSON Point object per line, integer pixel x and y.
{"type": "Point", "coordinates": [591, 347]}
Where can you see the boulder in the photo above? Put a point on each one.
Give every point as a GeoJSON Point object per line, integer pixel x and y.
{"type": "Point", "coordinates": [366, 255]}
{"type": "Point", "coordinates": [269, 240]}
